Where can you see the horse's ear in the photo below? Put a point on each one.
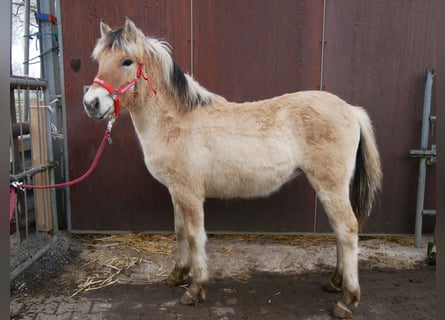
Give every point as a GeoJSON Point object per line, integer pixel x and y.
{"type": "Point", "coordinates": [104, 28]}
{"type": "Point", "coordinates": [129, 27]}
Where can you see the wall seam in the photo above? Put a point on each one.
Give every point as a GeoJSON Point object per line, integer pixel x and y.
{"type": "Point", "coordinates": [321, 89]}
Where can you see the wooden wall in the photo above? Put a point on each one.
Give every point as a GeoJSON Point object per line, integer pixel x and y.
{"type": "Point", "coordinates": [375, 55]}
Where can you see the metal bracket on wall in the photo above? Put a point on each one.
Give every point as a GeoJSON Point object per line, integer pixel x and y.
{"type": "Point", "coordinates": [427, 157]}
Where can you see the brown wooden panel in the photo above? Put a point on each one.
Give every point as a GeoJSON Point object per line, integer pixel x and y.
{"type": "Point", "coordinates": [251, 50]}
{"type": "Point", "coordinates": [121, 194]}
{"type": "Point", "coordinates": [376, 55]}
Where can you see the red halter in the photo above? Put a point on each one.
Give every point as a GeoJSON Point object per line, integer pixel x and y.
{"type": "Point", "coordinates": [116, 93]}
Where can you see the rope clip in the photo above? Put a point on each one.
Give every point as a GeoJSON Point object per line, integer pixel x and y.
{"type": "Point", "coordinates": [111, 120]}
{"type": "Point", "coordinates": [17, 185]}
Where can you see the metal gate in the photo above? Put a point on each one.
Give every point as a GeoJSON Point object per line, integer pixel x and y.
{"type": "Point", "coordinates": [37, 145]}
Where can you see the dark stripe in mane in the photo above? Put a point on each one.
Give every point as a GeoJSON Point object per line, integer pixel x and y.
{"type": "Point", "coordinates": [179, 81]}
{"type": "Point", "coordinates": [182, 87]}
{"type": "Point", "coordinates": [115, 39]}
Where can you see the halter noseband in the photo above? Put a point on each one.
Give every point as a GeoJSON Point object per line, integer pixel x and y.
{"type": "Point", "coordinates": [116, 93]}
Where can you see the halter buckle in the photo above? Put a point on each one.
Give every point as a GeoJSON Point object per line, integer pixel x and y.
{"type": "Point", "coordinates": [111, 120]}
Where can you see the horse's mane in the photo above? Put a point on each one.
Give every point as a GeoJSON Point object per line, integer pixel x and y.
{"type": "Point", "coordinates": [188, 90]}
{"type": "Point", "coordinates": [190, 93]}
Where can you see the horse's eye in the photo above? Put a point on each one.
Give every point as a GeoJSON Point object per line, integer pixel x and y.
{"type": "Point", "coordinates": [127, 63]}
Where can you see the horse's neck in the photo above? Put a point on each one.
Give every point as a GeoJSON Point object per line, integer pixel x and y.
{"type": "Point", "coordinates": [150, 117]}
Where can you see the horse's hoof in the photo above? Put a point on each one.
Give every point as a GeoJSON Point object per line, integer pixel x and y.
{"type": "Point", "coordinates": [340, 311]}
{"type": "Point", "coordinates": [189, 299]}
{"type": "Point", "coordinates": [331, 287]}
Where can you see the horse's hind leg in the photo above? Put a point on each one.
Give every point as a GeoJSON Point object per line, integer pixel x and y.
{"type": "Point", "coordinates": [194, 236]}
{"type": "Point", "coordinates": [345, 226]}
{"type": "Point", "coordinates": [180, 274]}
{"type": "Point", "coordinates": [334, 285]}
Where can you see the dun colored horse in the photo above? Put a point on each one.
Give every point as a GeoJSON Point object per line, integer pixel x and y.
{"type": "Point", "coordinates": [200, 145]}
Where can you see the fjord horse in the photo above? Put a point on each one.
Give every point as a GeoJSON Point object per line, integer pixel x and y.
{"type": "Point", "coordinates": [199, 145]}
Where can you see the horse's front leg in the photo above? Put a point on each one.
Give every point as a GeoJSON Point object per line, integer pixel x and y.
{"type": "Point", "coordinates": [191, 209]}
{"type": "Point", "coordinates": [180, 274]}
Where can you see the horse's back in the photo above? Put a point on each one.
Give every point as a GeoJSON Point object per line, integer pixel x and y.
{"type": "Point", "coordinates": [305, 106]}
{"type": "Point", "coordinates": [319, 117]}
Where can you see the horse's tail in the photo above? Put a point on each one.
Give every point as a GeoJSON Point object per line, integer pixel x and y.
{"type": "Point", "coordinates": [367, 178]}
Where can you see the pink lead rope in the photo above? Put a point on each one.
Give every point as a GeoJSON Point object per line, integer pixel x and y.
{"type": "Point", "coordinates": [18, 185]}
{"type": "Point", "coordinates": [14, 186]}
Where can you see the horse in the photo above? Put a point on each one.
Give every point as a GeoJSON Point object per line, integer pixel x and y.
{"type": "Point", "coordinates": [200, 145]}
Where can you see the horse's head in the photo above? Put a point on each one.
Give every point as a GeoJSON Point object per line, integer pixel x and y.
{"type": "Point", "coordinates": [119, 53]}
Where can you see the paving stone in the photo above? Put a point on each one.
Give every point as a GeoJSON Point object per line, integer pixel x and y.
{"type": "Point", "coordinates": [24, 317]}
{"type": "Point", "coordinates": [46, 307]}
{"type": "Point", "coordinates": [43, 316]}
{"type": "Point", "coordinates": [71, 306]}
{"type": "Point", "coordinates": [100, 307]}
{"type": "Point", "coordinates": [15, 309]}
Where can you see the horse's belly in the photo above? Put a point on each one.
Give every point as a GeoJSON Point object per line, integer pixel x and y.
{"type": "Point", "coordinates": [255, 182]}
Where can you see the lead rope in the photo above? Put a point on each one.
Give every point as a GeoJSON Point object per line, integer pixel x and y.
{"type": "Point", "coordinates": [15, 185]}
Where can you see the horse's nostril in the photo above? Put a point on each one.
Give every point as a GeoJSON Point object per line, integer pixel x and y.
{"type": "Point", "coordinates": [95, 104]}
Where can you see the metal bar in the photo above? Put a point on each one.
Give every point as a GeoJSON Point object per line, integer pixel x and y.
{"type": "Point", "coordinates": [27, 82]}
{"type": "Point", "coordinates": [33, 171]}
{"type": "Point", "coordinates": [429, 212]}
{"type": "Point", "coordinates": [422, 153]}
{"type": "Point", "coordinates": [26, 55]}
{"type": "Point", "coordinates": [50, 157]}
{"type": "Point", "coordinates": [12, 159]}
{"type": "Point", "coordinates": [63, 122]}
{"type": "Point", "coordinates": [51, 70]}
{"type": "Point", "coordinates": [14, 151]}
{"type": "Point", "coordinates": [23, 166]}
{"type": "Point", "coordinates": [422, 165]}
